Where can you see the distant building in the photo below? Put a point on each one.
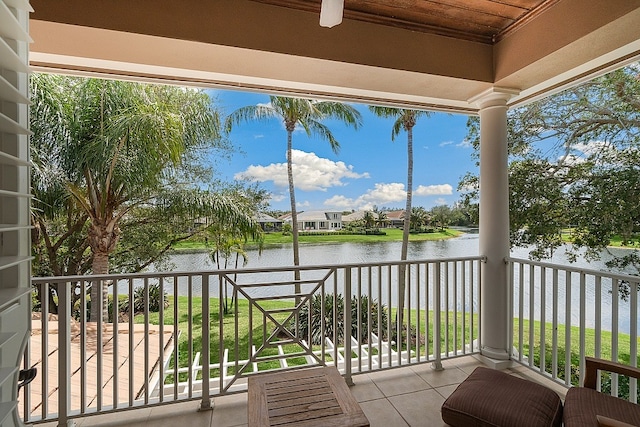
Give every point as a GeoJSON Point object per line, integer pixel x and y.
{"type": "Point", "coordinates": [269, 223]}
{"type": "Point", "coordinates": [316, 220]}
{"type": "Point", "coordinates": [357, 216]}
{"type": "Point", "coordinates": [396, 218]}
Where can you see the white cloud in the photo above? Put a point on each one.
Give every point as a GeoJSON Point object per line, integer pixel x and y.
{"type": "Point", "coordinates": [467, 188]}
{"type": "Point", "coordinates": [433, 190]}
{"type": "Point", "coordinates": [463, 144]}
{"type": "Point", "coordinates": [381, 194]}
{"type": "Point", "coordinates": [440, 201]}
{"type": "Point", "coordinates": [341, 202]}
{"type": "Point", "coordinates": [304, 204]}
{"type": "Point", "coordinates": [386, 194]}
{"type": "Point", "coordinates": [310, 172]}
{"type": "Point", "coordinates": [582, 151]}
{"type": "Point", "coordinates": [278, 197]}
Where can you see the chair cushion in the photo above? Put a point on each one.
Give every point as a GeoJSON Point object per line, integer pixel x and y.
{"type": "Point", "coordinates": [610, 422]}
{"type": "Point", "coordinates": [490, 398]}
{"type": "Point", "coordinates": [583, 405]}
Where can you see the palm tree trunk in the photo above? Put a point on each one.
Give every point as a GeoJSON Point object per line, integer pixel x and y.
{"type": "Point", "coordinates": [294, 214]}
{"type": "Point", "coordinates": [103, 240]}
{"type": "Point", "coordinates": [99, 288]}
{"type": "Point", "coordinates": [405, 229]}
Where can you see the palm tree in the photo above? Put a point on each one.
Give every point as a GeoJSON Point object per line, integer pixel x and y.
{"type": "Point", "coordinates": [369, 219]}
{"type": "Point", "coordinates": [308, 114]}
{"type": "Point", "coordinates": [227, 243]}
{"type": "Point", "coordinates": [404, 120]}
{"type": "Point", "coordinates": [419, 218]}
{"type": "Point", "coordinates": [115, 145]}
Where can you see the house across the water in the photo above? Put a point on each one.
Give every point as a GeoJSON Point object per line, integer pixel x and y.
{"type": "Point", "coordinates": [318, 220]}
{"type": "Point", "coordinates": [269, 223]}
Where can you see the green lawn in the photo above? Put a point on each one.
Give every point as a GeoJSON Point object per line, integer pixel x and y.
{"type": "Point", "coordinates": [616, 241]}
{"type": "Point", "coordinates": [392, 235]}
{"type": "Point", "coordinates": [454, 337]}
{"type": "Point", "coordinates": [228, 326]}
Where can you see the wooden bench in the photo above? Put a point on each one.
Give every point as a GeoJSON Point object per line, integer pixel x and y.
{"type": "Point", "coordinates": [304, 397]}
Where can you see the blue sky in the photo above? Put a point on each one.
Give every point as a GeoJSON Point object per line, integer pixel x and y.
{"type": "Point", "coordinates": [369, 170]}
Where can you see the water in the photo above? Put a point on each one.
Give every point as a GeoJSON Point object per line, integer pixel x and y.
{"type": "Point", "coordinates": [339, 253]}
{"type": "Point", "coordinates": [464, 246]}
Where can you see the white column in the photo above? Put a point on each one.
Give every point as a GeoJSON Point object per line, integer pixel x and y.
{"type": "Point", "coordinates": [494, 222]}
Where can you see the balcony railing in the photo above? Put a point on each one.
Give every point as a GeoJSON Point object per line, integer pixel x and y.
{"type": "Point", "coordinates": [151, 356]}
{"type": "Point", "coordinates": [216, 327]}
{"type": "Point", "coordinates": [562, 314]}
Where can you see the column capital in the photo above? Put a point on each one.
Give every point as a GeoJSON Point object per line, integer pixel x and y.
{"type": "Point", "coordinates": [493, 97]}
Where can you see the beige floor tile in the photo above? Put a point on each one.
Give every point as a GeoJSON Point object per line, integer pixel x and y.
{"type": "Point", "coordinates": [398, 381]}
{"type": "Point", "coordinates": [447, 376]}
{"type": "Point", "coordinates": [408, 396]}
{"type": "Point", "coordinates": [365, 389]}
{"type": "Point", "coordinates": [419, 409]}
{"type": "Point", "coordinates": [381, 413]}
{"type": "Point", "coordinates": [229, 411]}
{"type": "Point", "coordinates": [467, 364]}
{"type": "Point", "coordinates": [446, 390]}
{"type": "Point", "coordinates": [185, 415]}
{"type": "Point", "coordinates": [135, 418]}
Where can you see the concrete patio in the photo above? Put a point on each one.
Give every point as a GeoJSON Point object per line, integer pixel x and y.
{"type": "Point", "coordinates": [409, 396]}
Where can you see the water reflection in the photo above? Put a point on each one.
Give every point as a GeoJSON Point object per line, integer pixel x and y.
{"type": "Point", "coordinates": [344, 253]}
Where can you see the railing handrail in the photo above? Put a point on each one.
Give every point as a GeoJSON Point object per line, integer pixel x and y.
{"type": "Point", "coordinates": [309, 267]}
{"type": "Point", "coordinates": [440, 294]}
{"type": "Point", "coordinates": [579, 270]}
{"type": "Point", "coordinates": [555, 305]}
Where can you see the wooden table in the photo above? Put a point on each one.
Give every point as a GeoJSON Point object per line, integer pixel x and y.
{"type": "Point", "coordinates": [304, 397]}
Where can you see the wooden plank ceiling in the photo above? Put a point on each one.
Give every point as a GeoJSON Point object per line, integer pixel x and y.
{"type": "Point", "coordinates": [485, 21]}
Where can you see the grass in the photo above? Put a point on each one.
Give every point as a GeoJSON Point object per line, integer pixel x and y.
{"type": "Point", "coordinates": [228, 327]}
{"type": "Point", "coordinates": [605, 351]}
{"type": "Point", "coordinates": [624, 343]}
{"type": "Point", "coordinates": [616, 241]}
{"type": "Point", "coordinates": [455, 337]}
{"type": "Point", "coordinates": [243, 342]}
{"type": "Point", "coordinates": [392, 235]}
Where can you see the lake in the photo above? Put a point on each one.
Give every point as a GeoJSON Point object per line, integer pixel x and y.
{"type": "Point", "coordinates": [463, 246]}
{"type": "Point", "coordinates": [339, 253]}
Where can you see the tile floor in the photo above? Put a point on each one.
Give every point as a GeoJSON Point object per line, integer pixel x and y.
{"type": "Point", "coordinates": [409, 396]}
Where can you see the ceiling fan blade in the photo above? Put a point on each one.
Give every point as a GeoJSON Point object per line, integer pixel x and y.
{"type": "Point", "coordinates": [331, 13]}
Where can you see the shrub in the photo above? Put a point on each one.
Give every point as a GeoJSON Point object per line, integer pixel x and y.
{"type": "Point", "coordinates": [317, 313]}
{"type": "Point", "coordinates": [139, 304]}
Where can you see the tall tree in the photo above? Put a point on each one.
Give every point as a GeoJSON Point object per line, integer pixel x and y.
{"type": "Point", "coordinates": [307, 114]}
{"type": "Point", "coordinates": [442, 216]}
{"type": "Point", "coordinates": [405, 120]}
{"type": "Point", "coordinates": [108, 150]}
{"type": "Point", "coordinates": [574, 164]}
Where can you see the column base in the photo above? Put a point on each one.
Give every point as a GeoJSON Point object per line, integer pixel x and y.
{"type": "Point", "coordinates": [495, 363]}
{"type": "Point", "coordinates": [495, 353]}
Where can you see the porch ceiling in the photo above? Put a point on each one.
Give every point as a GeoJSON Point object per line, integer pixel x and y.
{"type": "Point", "coordinates": [435, 54]}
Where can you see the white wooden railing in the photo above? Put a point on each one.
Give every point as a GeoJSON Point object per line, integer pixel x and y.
{"type": "Point", "coordinates": [88, 368]}
{"type": "Point", "coordinates": [562, 314]}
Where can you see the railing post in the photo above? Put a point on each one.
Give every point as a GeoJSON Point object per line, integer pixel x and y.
{"type": "Point", "coordinates": [347, 326]}
{"type": "Point", "coordinates": [205, 404]}
{"type": "Point", "coordinates": [437, 334]}
{"type": "Point", "coordinates": [64, 353]}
